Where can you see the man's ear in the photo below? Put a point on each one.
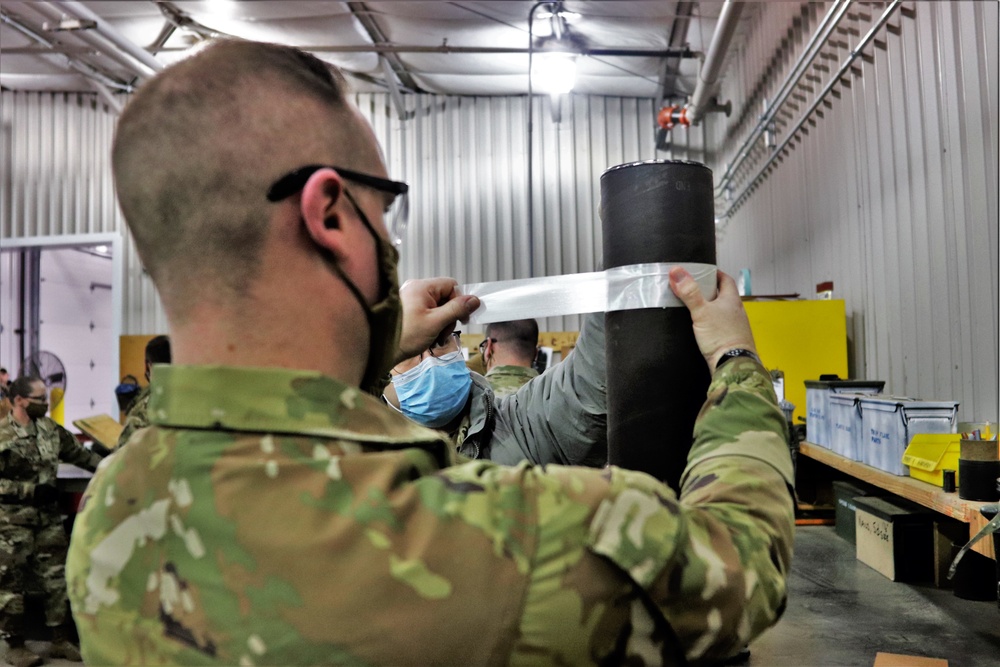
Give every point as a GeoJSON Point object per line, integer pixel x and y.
{"type": "Point", "coordinates": [322, 206]}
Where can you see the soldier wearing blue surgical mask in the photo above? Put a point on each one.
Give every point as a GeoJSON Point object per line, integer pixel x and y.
{"type": "Point", "coordinates": [557, 417]}
{"type": "Point", "coordinates": [433, 388]}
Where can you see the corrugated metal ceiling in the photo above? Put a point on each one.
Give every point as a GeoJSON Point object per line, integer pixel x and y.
{"type": "Point", "coordinates": [412, 36]}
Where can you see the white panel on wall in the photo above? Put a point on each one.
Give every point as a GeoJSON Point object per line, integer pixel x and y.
{"type": "Point", "coordinates": [76, 326]}
{"type": "Point", "coordinates": [890, 191]}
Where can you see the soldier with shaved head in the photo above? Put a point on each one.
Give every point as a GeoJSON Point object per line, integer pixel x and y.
{"type": "Point", "coordinates": [276, 512]}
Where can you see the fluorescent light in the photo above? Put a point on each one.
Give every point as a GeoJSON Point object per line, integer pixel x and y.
{"type": "Point", "coordinates": [569, 17]}
{"type": "Point", "coordinates": [554, 72]}
{"type": "Point", "coordinates": [103, 249]}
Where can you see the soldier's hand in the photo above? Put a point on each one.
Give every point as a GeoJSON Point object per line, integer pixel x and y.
{"type": "Point", "coordinates": [719, 325]}
{"type": "Point", "coordinates": [431, 306]}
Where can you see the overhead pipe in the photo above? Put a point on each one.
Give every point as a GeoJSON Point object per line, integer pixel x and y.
{"type": "Point", "coordinates": [855, 54]}
{"type": "Point", "coordinates": [708, 76]}
{"type": "Point", "coordinates": [812, 49]}
{"type": "Point", "coordinates": [56, 13]}
{"type": "Point", "coordinates": [83, 68]}
{"type": "Point", "coordinates": [106, 30]}
{"type": "Point", "coordinates": [711, 69]}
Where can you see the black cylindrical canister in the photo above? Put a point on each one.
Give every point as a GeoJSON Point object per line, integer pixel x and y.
{"type": "Point", "coordinates": [652, 212]}
{"type": "Point", "coordinates": [948, 481]}
{"type": "Point", "coordinates": [977, 480]}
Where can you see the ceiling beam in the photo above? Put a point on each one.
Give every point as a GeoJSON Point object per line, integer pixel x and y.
{"type": "Point", "coordinates": [363, 14]}
{"type": "Point", "coordinates": [681, 52]}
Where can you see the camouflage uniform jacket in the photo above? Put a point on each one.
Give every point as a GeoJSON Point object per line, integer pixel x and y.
{"type": "Point", "coordinates": [561, 417]}
{"type": "Point", "coordinates": [29, 457]}
{"type": "Point", "coordinates": [136, 417]}
{"type": "Point", "coordinates": [280, 517]}
{"type": "Point", "coordinates": [506, 380]}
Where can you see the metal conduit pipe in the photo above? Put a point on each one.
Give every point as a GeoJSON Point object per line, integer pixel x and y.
{"type": "Point", "coordinates": [104, 46]}
{"type": "Point", "coordinates": [813, 47]}
{"type": "Point", "coordinates": [108, 31]}
{"type": "Point", "coordinates": [708, 76]}
{"type": "Point", "coordinates": [855, 54]}
{"type": "Point", "coordinates": [82, 68]}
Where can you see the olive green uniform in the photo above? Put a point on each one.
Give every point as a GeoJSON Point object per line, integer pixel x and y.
{"type": "Point", "coordinates": [281, 517]}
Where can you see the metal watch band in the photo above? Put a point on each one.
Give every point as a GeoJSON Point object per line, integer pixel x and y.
{"type": "Point", "coordinates": [738, 352]}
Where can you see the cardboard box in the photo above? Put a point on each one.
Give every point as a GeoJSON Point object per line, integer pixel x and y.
{"type": "Point", "coordinates": [898, 660]}
{"type": "Point", "coordinates": [844, 494]}
{"type": "Point", "coordinates": [895, 538]}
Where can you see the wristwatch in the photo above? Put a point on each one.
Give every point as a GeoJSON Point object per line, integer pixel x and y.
{"type": "Point", "coordinates": [734, 353]}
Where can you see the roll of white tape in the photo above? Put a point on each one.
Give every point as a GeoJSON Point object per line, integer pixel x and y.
{"type": "Point", "coordinates": [630, 287]}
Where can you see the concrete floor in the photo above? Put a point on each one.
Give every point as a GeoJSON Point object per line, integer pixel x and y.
{"type": "Point", "coordinates": [841, 613]}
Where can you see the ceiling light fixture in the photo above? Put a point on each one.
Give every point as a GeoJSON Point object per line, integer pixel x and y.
{"type": "Point", "coordinates": [553, 68]}
{"type": "Point", "coordinates": [554, 71]}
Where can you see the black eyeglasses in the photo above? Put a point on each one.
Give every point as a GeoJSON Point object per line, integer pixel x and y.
{"type": "Point", "coordinates": [482, 346]}
{"type": "Point", "coordinates": [397, 211]}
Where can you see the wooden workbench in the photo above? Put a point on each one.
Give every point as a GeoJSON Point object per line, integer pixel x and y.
{"type": "Point", "coordinates": [922, 493]}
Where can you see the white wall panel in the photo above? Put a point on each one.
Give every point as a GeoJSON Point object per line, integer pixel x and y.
{"type": "Point", "coordinates": [892, 194]}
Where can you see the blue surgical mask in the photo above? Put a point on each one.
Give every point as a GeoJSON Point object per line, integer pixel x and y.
{"type": "Point", "coordinates": [434, 391]}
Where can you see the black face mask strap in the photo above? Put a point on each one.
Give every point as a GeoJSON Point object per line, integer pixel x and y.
{"type": "Point", "coordinates": [383, 280]}
{"type": "Point", "coordinates": [334, 265]}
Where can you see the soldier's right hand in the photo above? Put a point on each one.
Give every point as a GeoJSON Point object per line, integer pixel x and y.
{"type": "Point", "coordinates": [431, 306]}
{"type": "Point", "coordinates": [720, 325]}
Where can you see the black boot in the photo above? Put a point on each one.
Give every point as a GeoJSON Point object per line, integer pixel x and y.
{"type": "Point", "coordinates": [62, 647]}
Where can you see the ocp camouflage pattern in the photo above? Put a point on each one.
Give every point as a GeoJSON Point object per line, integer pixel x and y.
{"type": "Point", "coordinates": [32, 537]}
{"type": "Point", "coordinates": [136, 417]}
{"type": "Point", "coordinates": [506, 380]}
{"type": "Point", "coordinates": [280, 517]}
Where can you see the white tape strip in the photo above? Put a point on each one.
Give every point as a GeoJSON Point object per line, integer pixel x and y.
{"type": "Point", "coordinates": [623, 288]}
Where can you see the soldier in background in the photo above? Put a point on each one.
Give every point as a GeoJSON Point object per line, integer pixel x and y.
{"type": "Point", "coordinates": [32, 538]}
{"type": "Point", "coordinates": [509, 351]}
{"type": "Point", "coordinates": [5, 406]}
{"type": "Point", "coordinates": [559, 418]}
{"type": "Point", "coordinates": [157, 352]}
{"type": "Point", "coordinates": [276, 513]}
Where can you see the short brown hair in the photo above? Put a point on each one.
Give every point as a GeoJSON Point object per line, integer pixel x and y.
{"type": "Point", "coordinates": [197, 147]}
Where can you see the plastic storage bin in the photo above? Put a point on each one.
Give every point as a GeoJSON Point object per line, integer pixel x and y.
{"type": "Point", "coordinates": [888, 423]}
{"type": "Point", "coordinates": [818, 392]}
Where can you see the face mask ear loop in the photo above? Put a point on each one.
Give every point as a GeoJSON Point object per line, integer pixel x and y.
{"type": "Point", "coordinates": [383, 287]}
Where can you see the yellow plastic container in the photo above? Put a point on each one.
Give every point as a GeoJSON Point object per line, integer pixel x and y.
{"type": "Point", "coordinates": [930, 454]}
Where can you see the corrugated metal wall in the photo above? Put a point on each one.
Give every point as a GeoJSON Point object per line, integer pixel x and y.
{"type": "Point", "coordinates": [463, 156]}
{"type": "Point", "coordinates": [57, 182]}
{"type": "Point", "coordinates": [892, 195]}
